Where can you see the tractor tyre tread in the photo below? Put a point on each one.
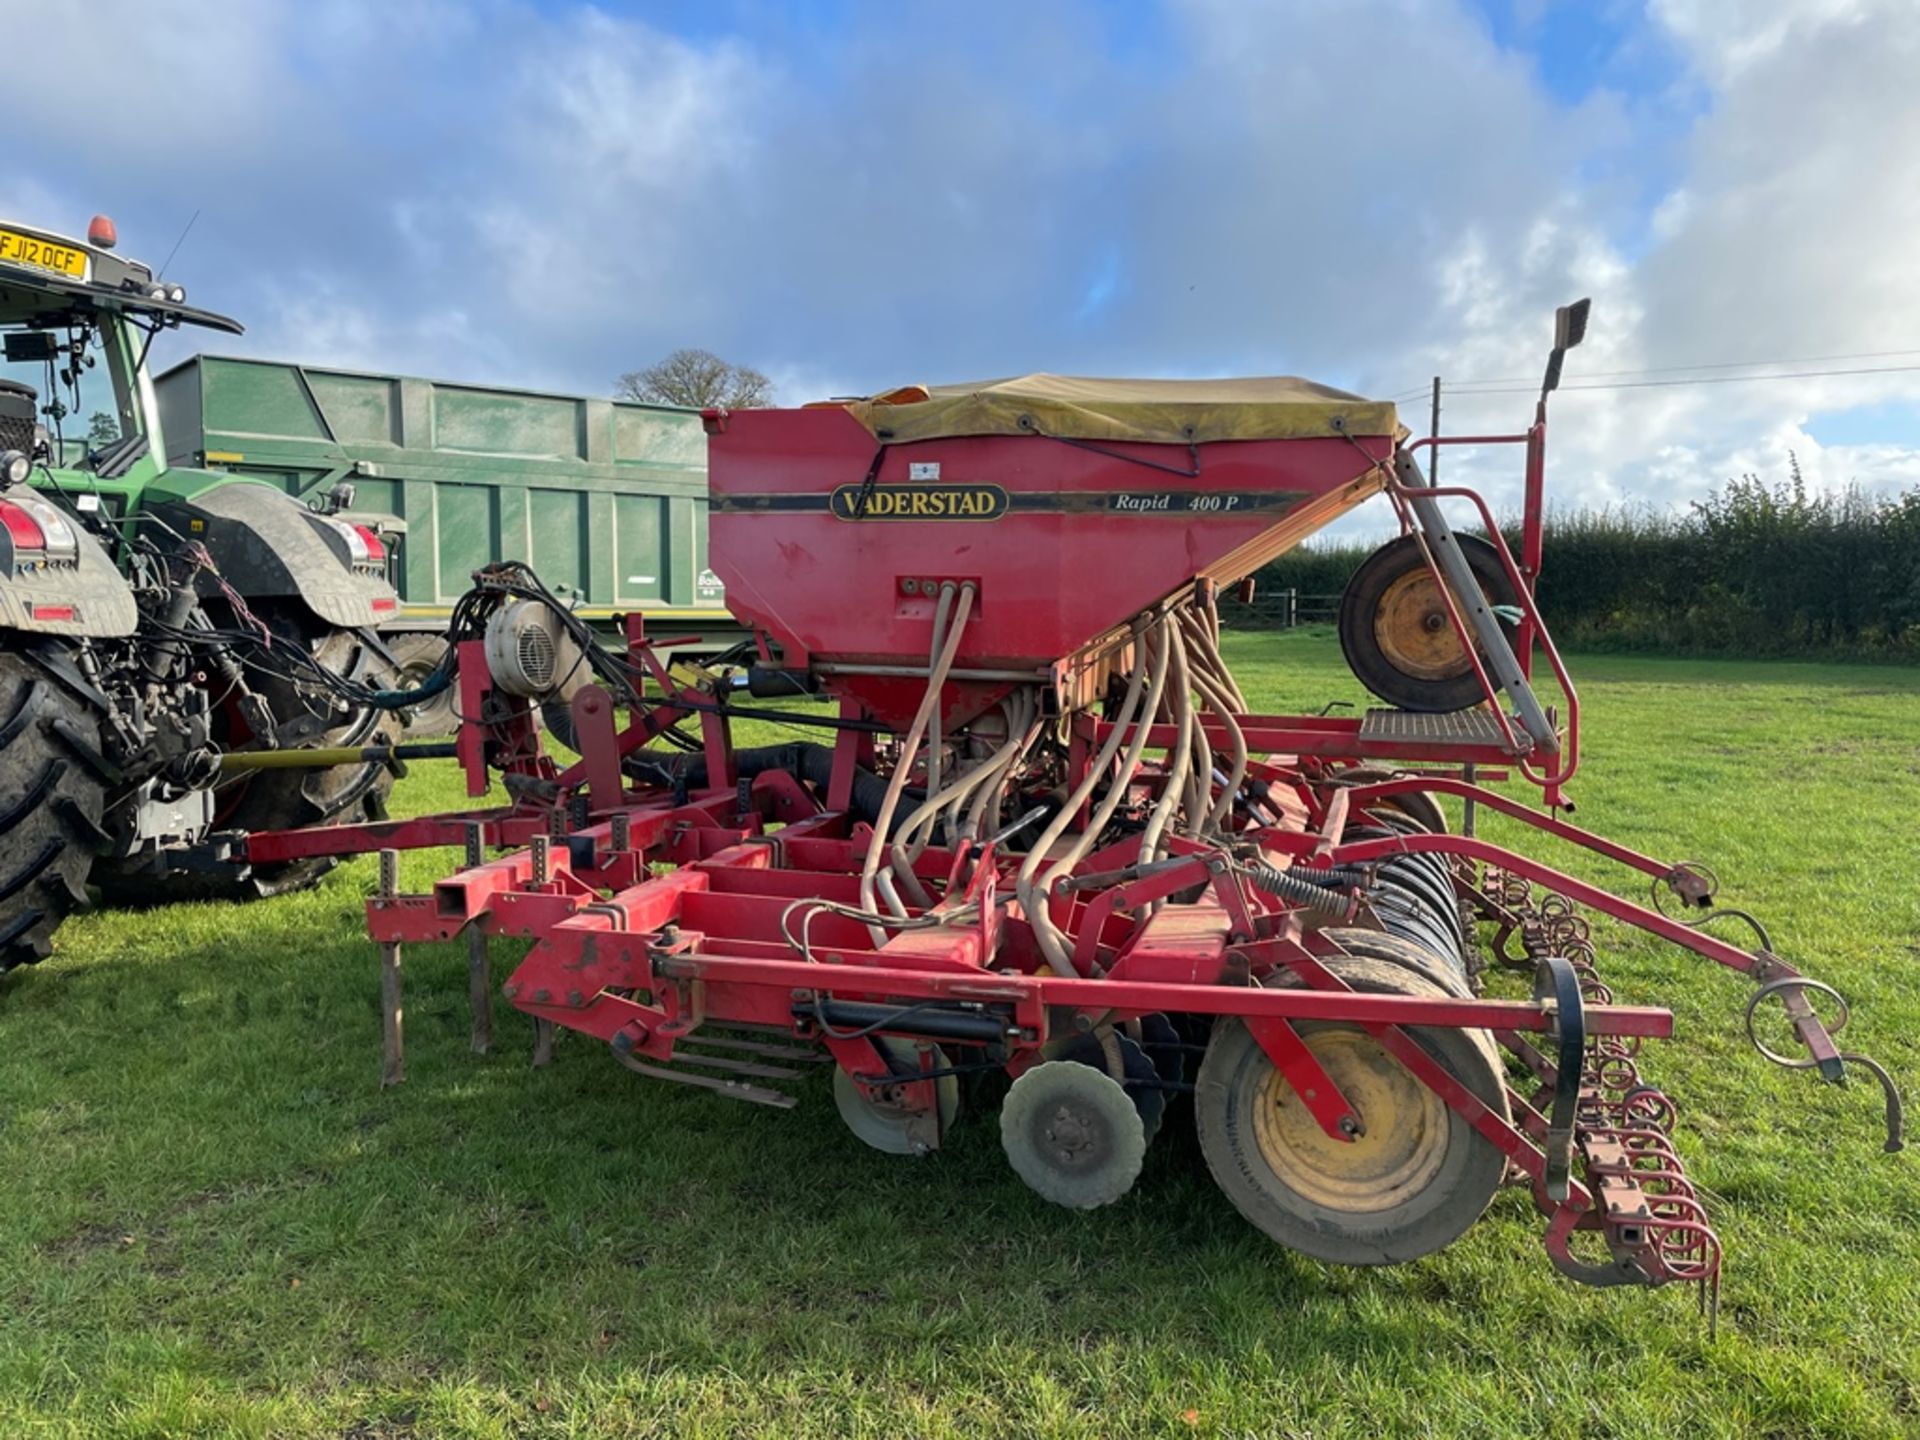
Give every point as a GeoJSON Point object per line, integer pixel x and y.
{"type": "Point", "coordinates": [50, 811]}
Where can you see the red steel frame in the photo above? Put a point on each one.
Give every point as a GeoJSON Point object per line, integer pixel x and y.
{"type": "Point", "coordinates": [643, 964]}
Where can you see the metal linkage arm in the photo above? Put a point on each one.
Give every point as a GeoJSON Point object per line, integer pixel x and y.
{"type": "Point", "coordinates": [1775, 976]}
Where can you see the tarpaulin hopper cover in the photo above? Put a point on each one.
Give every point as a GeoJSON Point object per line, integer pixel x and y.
{"type": "Point", "coordinates": [1157, 412]}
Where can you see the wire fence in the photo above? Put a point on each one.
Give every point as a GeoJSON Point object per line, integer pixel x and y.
{"type": "Point", "coordinates": [1277, 608]}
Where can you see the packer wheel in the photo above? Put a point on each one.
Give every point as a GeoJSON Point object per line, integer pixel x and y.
{"type": "Point", "coordinates": [1421, 960]}
{"type": "Point", "coordinates": [880, 1119]}
{"type": "Point", "coordinates": [1160, 1038]}
{"type": "Point", "coordinates": [1395, 631]}
{"type": "Point", "coordinates": [1412, 1183]}
{"type": "Point", "coordinates": [1143, 1077]}
{"type": "Point", "coordinates": [1071, 1132]}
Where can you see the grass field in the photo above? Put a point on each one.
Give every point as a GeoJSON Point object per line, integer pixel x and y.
{"type": "Point", "coordinates": [215, 1222]}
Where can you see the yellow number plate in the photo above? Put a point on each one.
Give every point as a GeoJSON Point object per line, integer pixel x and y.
{"type": "Point", "coordinates": [17, 249]}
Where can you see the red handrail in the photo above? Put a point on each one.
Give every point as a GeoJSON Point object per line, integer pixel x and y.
{"type": "Point", "coordinates": [1570, 751]}
{"type": "Point", "coordinates": [1533, 625]}
{"type": "Point", "coordinates": [1487, 686]}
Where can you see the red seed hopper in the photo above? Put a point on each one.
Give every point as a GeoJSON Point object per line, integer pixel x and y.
{"type": "Point", "coordinates": [1071, 506]}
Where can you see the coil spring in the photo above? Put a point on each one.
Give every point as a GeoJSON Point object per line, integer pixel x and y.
{"type": "Point", "coordinates": [1296, 890]}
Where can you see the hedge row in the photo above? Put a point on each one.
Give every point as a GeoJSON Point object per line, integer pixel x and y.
{"type": "Point", "coordinates": [1754, 569]}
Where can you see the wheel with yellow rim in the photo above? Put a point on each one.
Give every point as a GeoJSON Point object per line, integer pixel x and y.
{"type": "Point", "coordinates": [1399, 639]}
{"type": "Point", "coordinates": [1411, 1183]}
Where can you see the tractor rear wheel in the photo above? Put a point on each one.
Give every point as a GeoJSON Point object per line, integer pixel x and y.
{"type": "Point", "coordinates": [1411, 1183]}
{"type": "Point", "coordinates": [419, 655]}
{"type": "Point", "coordinates": [1396, 633]}
{"type": "Point", "coordinates": [308, 718]}
{"type": "Point", "coordinates": [51, 801]}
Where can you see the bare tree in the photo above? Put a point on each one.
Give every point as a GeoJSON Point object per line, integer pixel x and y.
{"type": "Point", "coordinates": [698, 378]}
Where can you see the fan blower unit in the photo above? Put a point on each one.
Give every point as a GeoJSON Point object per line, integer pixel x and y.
{"type": "Point", "coordinates": [531, 654]}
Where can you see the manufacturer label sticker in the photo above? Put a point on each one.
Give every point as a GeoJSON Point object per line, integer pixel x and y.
{"type": "Point", "coordinates": [919, 502]}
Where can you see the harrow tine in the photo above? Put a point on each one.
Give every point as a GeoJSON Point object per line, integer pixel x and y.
{"type": "Point", "coordinates": [542, 1043]}
{"type": "Point", "coordinates": [393, 1057]}
{"type": "Point", "coordinates": [1817, 1035]}
{"type": "Point", "coordinates": [479, 988]}
{"type": "Point", "coordinates": [732, 1089]}
{"type": "Point", "coordinates": [737, 1067]}
{"type": "Point", "coordinates": [1710, 1303]}
{"type": "Point", "coordinates": [479, 963]}
{"type": "Point", "coordinates": [1896, 1111]}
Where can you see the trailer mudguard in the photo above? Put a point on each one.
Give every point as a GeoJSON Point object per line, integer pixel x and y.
{"type": "Point", "coordinates": [55, 579]}
{"type": "Point", "coordinates": [267, 545]}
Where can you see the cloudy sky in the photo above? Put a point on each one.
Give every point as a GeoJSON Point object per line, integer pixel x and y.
{"type": "Point", "coordinates": [851, 195]}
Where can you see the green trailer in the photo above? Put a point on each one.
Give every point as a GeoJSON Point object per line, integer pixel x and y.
{"type": "Point", "coordinates": [606, 499]}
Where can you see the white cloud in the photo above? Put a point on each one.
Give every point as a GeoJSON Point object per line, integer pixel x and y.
{"type": "Point", "coordinates": [1370, 194]}
{"type": "Point", "coordinates": [1786, 237]}
{"type": "Point", "coordinates": [1726, 38]}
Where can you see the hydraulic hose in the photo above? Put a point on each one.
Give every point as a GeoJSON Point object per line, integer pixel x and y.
{"type": "Point", "coordinates": [1052, 943]}
{"type": "Point", "coordinates": [910, 746]}
{"type": "Point", "coordinates": [1197, 798]}
{"type": "Point", "coordinates": [1217, 701]}
{"type": "Point", "coordinates": [1033, 903]}
{"type": "Point", "coordinates": [917, 833]}
{"type": "Point", "coordinates": [990, 797]}
{"type": "Point", "coordinates": [1179, 754]}
{"type": "Point", "coordinates": [903, 761]}
{"type": "Point", "coordinates": [1204, 651]}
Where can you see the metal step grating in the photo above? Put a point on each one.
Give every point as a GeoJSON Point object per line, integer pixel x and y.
{"type": "Point", "coordinates": [1462, 727]}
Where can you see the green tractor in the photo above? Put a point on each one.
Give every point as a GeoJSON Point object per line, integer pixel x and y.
{"type": "Point", "coordinates": [156, 619]}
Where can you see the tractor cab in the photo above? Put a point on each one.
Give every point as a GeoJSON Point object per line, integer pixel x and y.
{"type": "Point", "coordinates": [76, 323]}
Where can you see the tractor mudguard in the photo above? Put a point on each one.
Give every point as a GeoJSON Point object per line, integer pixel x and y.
{"type": "Point", "coordinates": [267, 545]}
{"type": "Point", "coordinates": [58, 581]}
